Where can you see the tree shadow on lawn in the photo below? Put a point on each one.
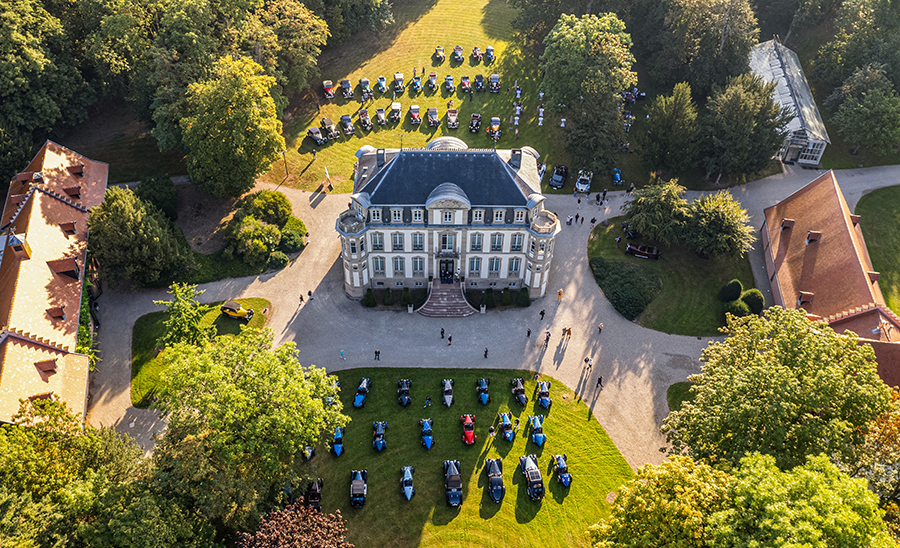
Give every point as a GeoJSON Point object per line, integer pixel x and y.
{"type": "Point", "coordinates": [493, 11]}
{"type": "Point", "coordinates": [526, 509]}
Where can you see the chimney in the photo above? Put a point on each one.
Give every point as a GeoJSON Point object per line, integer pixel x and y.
{"type": "Point", "coordinates": [786, 223]}
{"type": "Point", "coordinates": [805, 297]}
{"type": "Point", "coordinates": [873, 276]}
{"type": "Point", "coordinates": [813, 236]}
{"type": "Point", "coordinates": [855, 219]}
{"type": "Point", "coordinates": [379, 157]}
{"type": "Point", "coordinates": [19, 245]}
{"type": "Point", "coordinates": [76, 170]}
{"type": "Point", "coordinates": [516, 159]}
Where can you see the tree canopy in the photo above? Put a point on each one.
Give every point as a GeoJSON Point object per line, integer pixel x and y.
{"type": "Point", "coordinates": [239, 413]}
{"type": "Point", "coordinates": [871, 122]}
{"type": "Point", "coordinates": [745, 126]}
{"type": "Point", "coordinates": [134, 241]}
{"type": "Point", "coordinates": [672, 132]}
{"type": "Point", "coordinates": [718, 225]}
{"type": "Point", "coordinates": [183, 316]}
{"type": "Point", "coordinates": [298, 527]}
{"type": "Point", "coordinates": [658, 211]}
{"type": "Point", "coordinates": [232, 128]}
{"type": "Point", "coordinates": [781, 385]}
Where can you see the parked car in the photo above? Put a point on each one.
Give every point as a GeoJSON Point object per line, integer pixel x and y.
{"type": "Point", "coordinates": [561, 467]}
{"type": "Point", "coordinates": [642, 251]}
{"type": "Point", "coordinates": [543, 394]}
{"type": "Point", "coordinates": [479, 82]}
{"type": "Point", "coordinates": [534, 482]}
{"type": "Point", "coordinates": [448, 83]}
{"type": "Point", "coordinates": [329, 129]}
{"type": "Point", "coordinates": [465, 84]}
{"type": "Point", "coordinates": [475, 123]}
{"type": "Point", "coordinates": [583, 183]}
{"type": "Point", "coordinates": [365, 384]}
{"type": "Point", "coordinates": [380, 117]}
{"type": "Point", "coordinates": [396, 110]}
{"type": "Point", "coordinates": [452, 118]}
{"type": "Point", "coordinates": [432, 81]}
{"type": "Point", "coordinates": [489, 53]}
{"type": "Point", "coordinates": [453, 483]}
{"type": "Point", "coordinates": [415, 116]}
{"type": "Point", "coordinates": [468, 422]}
{"type": "Point", "coordinates": [518, 391]}
{"type": "Point", "coordinates": [346, 89]}
{"type": "Point", "coordinates": [433, 119]}
{"type": "Point", "coordinates": [328, 88]}
{"type": "Point", "coordinates": [399, 82]}
{"type": "Point", "coordinates": [447, 392]}
{"type": "Point", "coordinates": [495, 82]}
{"type": "Point", "coordinates": [536, 422]}
{"type": "Point", "coordinates": [560, 174]}
{"type": "Point", "coordinates": [381, 84]}
{"type": "Point", "coordinates": [458, 55]}
{"type": "Point", "coordinates": [481, 391]}
{"type": "Point", "coordinates": [476, 54]}
{"type": "Point", "coordinates": [427, 433]}
{"type": "Point", "coordinates": [314, 494]}
{"type": "Point", "coordinates": [358, 487]}
{"type": "Point", "coordinates": [234, 310]}
{"type": "Point", "coordinates": [403, 386]}
{"type": "Point", "coordinates": [439, 54]}
{"type": "Point", "coordinates": [406, 482]}
{"type": "Point", "coordinates": [505, 426]}
{"type": "Point", "coordinates": [378, 441]}
{"type": "Point", "coordinates": [364, 119]}
{"type": "Point", "coordinates": [337, 444]}
{"type": "Point", "coordinates": [315, 134]}
{"type": "Point", "coordinates": [347, 124]}
{"type": "Point", "coordinates": [494, 470]}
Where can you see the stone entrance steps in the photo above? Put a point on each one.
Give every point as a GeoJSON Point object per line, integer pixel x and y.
{"type": "Point", "coordinates": [446, 301]}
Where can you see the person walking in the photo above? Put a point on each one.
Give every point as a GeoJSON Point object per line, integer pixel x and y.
{"type": "Point", "coordinates": [342, 355]}
{"type": "Point", "coordinates": [471, 96]}
{"type": "Point", "coordinates": [449, 340]}
{"type": "Point", "coordinates": [547, 339]}
{"type": "Point", "coordinates": [577, 215]}
{"type": "Point", "coordinates": [542, 315]}
{"type": "Point", "coordinates": [529, 333]}
{"type": "Point", "coordinates": [427, 402]}
{"type": "Point", "coordinates": [586, 361]}
{"type": "Point", "coordinates": [591, 364]}
{"type": "Point", "coordinates": [600, 381]}
{"type": "Point", "coordinates": [568, 332]}
{"type": "Point", "coordinates": [579, 207]}
{"type": "Point", "coordinates": [600, 328]}
{"type": "Point", "coordinates": [564, 331]}
{"type": "Point", "coordinates": [559, 295]}
{"type": "Point", "coordinates": [582, 220]}
{"type": "Point", "coordinates": [442, 332]}
{"type": "Point", "coordinates": [485, 352]}
{"type": "Point", "coordinates": [315, 154]}
{"type": "Point", "coordinates": [301, 299]}
{"type": "Point", "coordinates": [517, 129]}
{"type": "Point", "coordinates": [491, 431]}
{"type": "Point", "coordinates": [309, 294]}
{"type": "Point", "coordinates": [378, 354]}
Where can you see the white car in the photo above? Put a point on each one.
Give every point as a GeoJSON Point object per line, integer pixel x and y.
{"type": "Point", "coordinates": [583, 184]}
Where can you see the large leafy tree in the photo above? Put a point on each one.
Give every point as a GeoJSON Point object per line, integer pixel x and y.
{"type": "Point", "coordinates": [672, 131]}
{"type": "Point", "coordinates": [239, 414]}
{"type": "Point", "coordinates": [587, 57]}
{"type": "Point", "coordinates": [745, 126]}
{"type": "Point", "coordinates": [41, 86]}
{"type": "Point", "coordinates": [658, 211]}
{"type": "Point", "coordinates": [863, 80]}
{"type": "Point", "coordinates": [132, 240]}
{"type": "Point", "coordinates": [871, 122]}
{"type": "Point", "coordinates": [666, 505]}
{"type": "Point", "coordinates": [535, 18]}
{"type": "Point", "coordinates": [813, 505]}
{"type": "Point", "coordinates": [593, 136]}
{"type": "Point", "coordinates": [298, 527]}
{"type": "Point", "coordinates": [184, 315]}
{"type": "Point", "coordinates": [232, 129]}
{"type": "Point", "coordinates": [718, 225]}
{"type": "Point", "coordinates": [781, 385]}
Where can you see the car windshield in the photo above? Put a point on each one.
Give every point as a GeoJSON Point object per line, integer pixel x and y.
{"type": "Point", "coordinates": [534, 476]}
{"type": "Point", "coordinates": [454, 482]}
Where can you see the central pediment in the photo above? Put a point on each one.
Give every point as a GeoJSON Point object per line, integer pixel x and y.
{"type": "Point", "coordinates": [448, 196]}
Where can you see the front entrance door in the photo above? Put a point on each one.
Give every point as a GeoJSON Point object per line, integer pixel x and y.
{"type": "Point", "coordinates": [447, 271]}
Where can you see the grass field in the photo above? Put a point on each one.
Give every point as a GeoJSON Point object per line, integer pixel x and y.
{"type": "Point", "coordinates": [146, 366]}
{"type": "Point", "coordinates": [388, 520]}
{"type": "Point", "coordinates": [688, 303]}
{"type": "Point", "coordinates": [880, 211]}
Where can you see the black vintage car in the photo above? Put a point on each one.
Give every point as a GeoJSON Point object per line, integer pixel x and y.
{"type": "Point", "coordinates": [358, 487]}
{"type": "Point", "coordinates": [347, 124]}
{"type": "Point", "coordinates": [642, 251]}
{"type": "Point", "coordinates": [494, 470]}
{"type": "Point", "coordinates": [329, 129]}
{"type": "Point", "coordinates": [346, 89]}
{"type": "Point", "coordinates": [518, 391]}
{"type": "Point", "coordinates": [479, 82]}
{"type": "Point", "coordinates": [403, 386]}
{"type": "Point", "coordinates": [315, 134]}
{"type": "Point", "coordinates": [453, 483]}
{"type": "Point", "coordinates": [314, 494]}
{"type": "Point", "coordinates": [364, 120]}
{"type": "Point", "coordinates": [475, 124]}
{"type": "Point", "coordinates": [534, 482]}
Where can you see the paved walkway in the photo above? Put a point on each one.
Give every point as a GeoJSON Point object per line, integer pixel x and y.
{"type": "Point", "coordinates": [637, 364]}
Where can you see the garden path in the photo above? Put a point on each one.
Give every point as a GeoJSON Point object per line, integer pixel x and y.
{"type": "Point", "coordinates": [637, 364]}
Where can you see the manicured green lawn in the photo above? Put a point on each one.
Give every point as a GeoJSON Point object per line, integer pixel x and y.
{"type": "Point", "coordinates": [880, 212]}
{"type": "Point", "coordinates": [688, 302]}
{"type": "Point", "coordinates": [388, 520]}
{"type": "Point", "coordinates": [146, 366]}
{"type": "Point", "coordinates": [679, 393]}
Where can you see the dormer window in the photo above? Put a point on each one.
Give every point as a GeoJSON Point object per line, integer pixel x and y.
{"type": "Point", "coordinates": [396, 215]}
{"type": "Point", "coordinates": [65, 267]}
{"type": "Point", "coordinates": [57, 312]}
{"type": "Point", "coordinates": [68, 228]}
{"type": "Point", "coordinates": [76, 170]}
{"type": "Point", "coordinates": [417, 215]}
{"type": "Point", "coordinates": [73, 191]}
{"type": "Point", "coordinates": [520, 216]}
{"type": "Point", "coordinates": [448, 217]}
{"type": "Point", "coordinates": [813, 236]}
{"type": "Point", "coordinates": [478, 216]}
{"type": "Point", "coordinates": [805, 297]}
{"type": "Point", "coordinates": [786, 223]}
{"type": "Point", "coordinates": [376, 215]}
{"type": "Point", "coordinates": [498, 215]}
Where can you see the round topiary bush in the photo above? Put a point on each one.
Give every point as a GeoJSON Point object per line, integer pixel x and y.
{"type": "Point", "coordinates": [278, 260]}
{"type": "Point", "coordinates": [291, 241]}
{"type": "Point", "coordinates": [369, 300]}
{"type": "Point", "coordinates": [270, 206]}
{"type": "Point", "coordinates": [523, 299]}
{"type": "Point", "coordinates": [489, 301]}
{"type": "Point", "coordinates": [405, 297]}
{"type": "Point", "coordinates": [731, 291]}
{"type": "Point", "coordinates": [737, 308]}
{"type": "Point", "coordinates": [755, 300]}
{"type": "Point", "coordinates": [388, 297]}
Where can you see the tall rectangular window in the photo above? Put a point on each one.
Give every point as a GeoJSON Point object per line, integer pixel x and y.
{"type": "Point", "coordinates": [475, 266]}
{"type": "Point", "coordinates": [418, 265]}
{"type": "Point", "coordinates": [514, 265]}
{"type": "Point", "coordinates": [448, 217]}
{"type": "Point", "coordinates": [447, 242]}
{"type": "Point", "coordinates": [353, 248]}
{"type": "Point", "coordinates": [378, 265]}
{"type": "Point", "coordinates": [516, 242]}
{"type": "Point", "coordinates": [498, 215]}
{"type": "Point", "coordinates": [396, 215]}
{"type": "Point", "coordinates": [418, 241]}
{"type": "Point", "coordinates": [478, 216]}
{"type": "Point", "coordinates": [496, 242]}
{"type": "Point", "coordinates": [476, 242]}
{"type": "Point", "coordinates": [398, 267]}
{"type": "Point", "coordinates": [362, 245]}
{"type": "Point", "coordinates": [376, 215]}
{"type": "Point", "coordinates": [377, 241]}
{"type": "Point", "coordinates": [520, 216]}
{"type": "Point", "coordinates": [396, 242]}
{"type": "Point", "coordinates": [417, 216]}
{"type": "Point", "coordinates": [494, 265]}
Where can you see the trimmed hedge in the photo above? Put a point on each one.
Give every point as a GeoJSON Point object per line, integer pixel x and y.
{"type": "Point", "coordinates": [405, 297]}
{"type": "Point", "coordinates": [731, 291]}
{"type": "Point", "coordinates": [388, 298]}
{"type": "Point", "coordinates": [737, 308]}
{"type": "Point", "coordinates": [628, 287]}
{"type": "Point", "coordinates": [489, 300]}
{"type": "Point", "coordinates": [524, 299]}
{"type": "Point", "coordinates": [291, 241]}
{"type": "Point", "coordinates": [369, 300]}
{"type": "Point", "coordinates": [505, 297]}
{"type": "Point", "coordinates": [755, 300]}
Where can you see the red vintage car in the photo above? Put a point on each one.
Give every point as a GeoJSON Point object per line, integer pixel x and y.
{"type": "Point", "coordinates": [468, 422]}
{"type": "Point", "coordinates": [642, 251]}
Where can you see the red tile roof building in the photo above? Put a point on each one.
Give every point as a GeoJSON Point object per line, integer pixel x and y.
{"type": "Point", "coordinates": [817, 260]}
{"type": "Point", "coordinates": [42, 264]}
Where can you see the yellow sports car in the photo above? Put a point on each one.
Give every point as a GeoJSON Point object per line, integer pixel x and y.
{"type": "Point", "coordinates": [234, 310]}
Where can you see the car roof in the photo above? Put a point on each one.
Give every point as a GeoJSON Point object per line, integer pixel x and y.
{"type": "Point", "coordinates": [231, 305]}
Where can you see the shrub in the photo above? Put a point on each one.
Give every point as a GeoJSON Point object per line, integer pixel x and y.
{"type": "Point", "coordinates": [627, 286]}
{"type": "Point", "coordinates": [755, 300]}
{"type": "Point", "coordinates": [295, 224]}
{"type": "Point", "coordinates": [731, 291]}
{"type": "Point", "coordinates": [737, 308]}
{"type": "Point", "coordinates": [505, 297]}
{"type": "Point", "coordinates": [405, 297]}
{"type": "Point", "coordinates": [270, 206]}
{"type": "Point", "coordinates": [291, 241]}
{"type": "Point", "coordinates": [160, 191]}
{"type": "Point", "coordinates": [369, 300]}
{"type": "Point", "coordinates": [278, 260]}
{"type": "Point", "coordinates": [489, 300]}
{"type": "Point", "coordinates": [388, 298]}
{"type": "Point", "coordinates": [523, 299]}
{"type": "Point", "coordinates": [254, 239]}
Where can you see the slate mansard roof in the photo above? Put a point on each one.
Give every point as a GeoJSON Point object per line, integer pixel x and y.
{"type": "Point", "coordinates": [412, 177]}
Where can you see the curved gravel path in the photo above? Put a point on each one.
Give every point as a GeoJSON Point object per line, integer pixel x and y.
{"type": "Point", "coordinates": [637, 364]}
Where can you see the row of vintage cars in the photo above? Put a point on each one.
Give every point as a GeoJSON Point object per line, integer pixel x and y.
{"type": "Point", "coordinates": [482, 390]}
{"type": "Point", "coordinates": [399, 84]}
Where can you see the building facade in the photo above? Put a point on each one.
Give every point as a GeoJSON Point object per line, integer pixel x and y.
{"type": "Point", "coordinates": [446, 212]}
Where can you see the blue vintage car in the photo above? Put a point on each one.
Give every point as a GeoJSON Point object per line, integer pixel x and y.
{"type": "Point", "coordinates": [378, 428]}
{"type": "Point", "coordinates": [537, 429]}
{"type": "Point", "coordinates": [337, 445]}
{"type": "Point", "coordinates": [403, 386]}
{"type": "Point", "coordinates": [358, 487]}
{"type": "Point", "coordinates": [518, 391]}
{"type": "Point", "coordinates": [561, 467]}
{"type": "Point", "coordinates": [543, 395]}
{"type": "Point", "coordinates": [406, 481]}
{"type": "Point", "coordinates": [481, 389]}
{"type": "Point", "coordinates": [506, 427]}
{"type": "Point", "coordinates": [365, 384]}
{"type": "Point", "coordinates": [494, 470]}
{"type": "Point", "coordinates": [534, 482]}
{"type": "Point", "coordinates": [427, 434]}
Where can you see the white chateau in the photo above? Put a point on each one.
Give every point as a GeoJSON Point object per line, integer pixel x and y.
{"type": "Point", "coordinates": [448, 213]}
